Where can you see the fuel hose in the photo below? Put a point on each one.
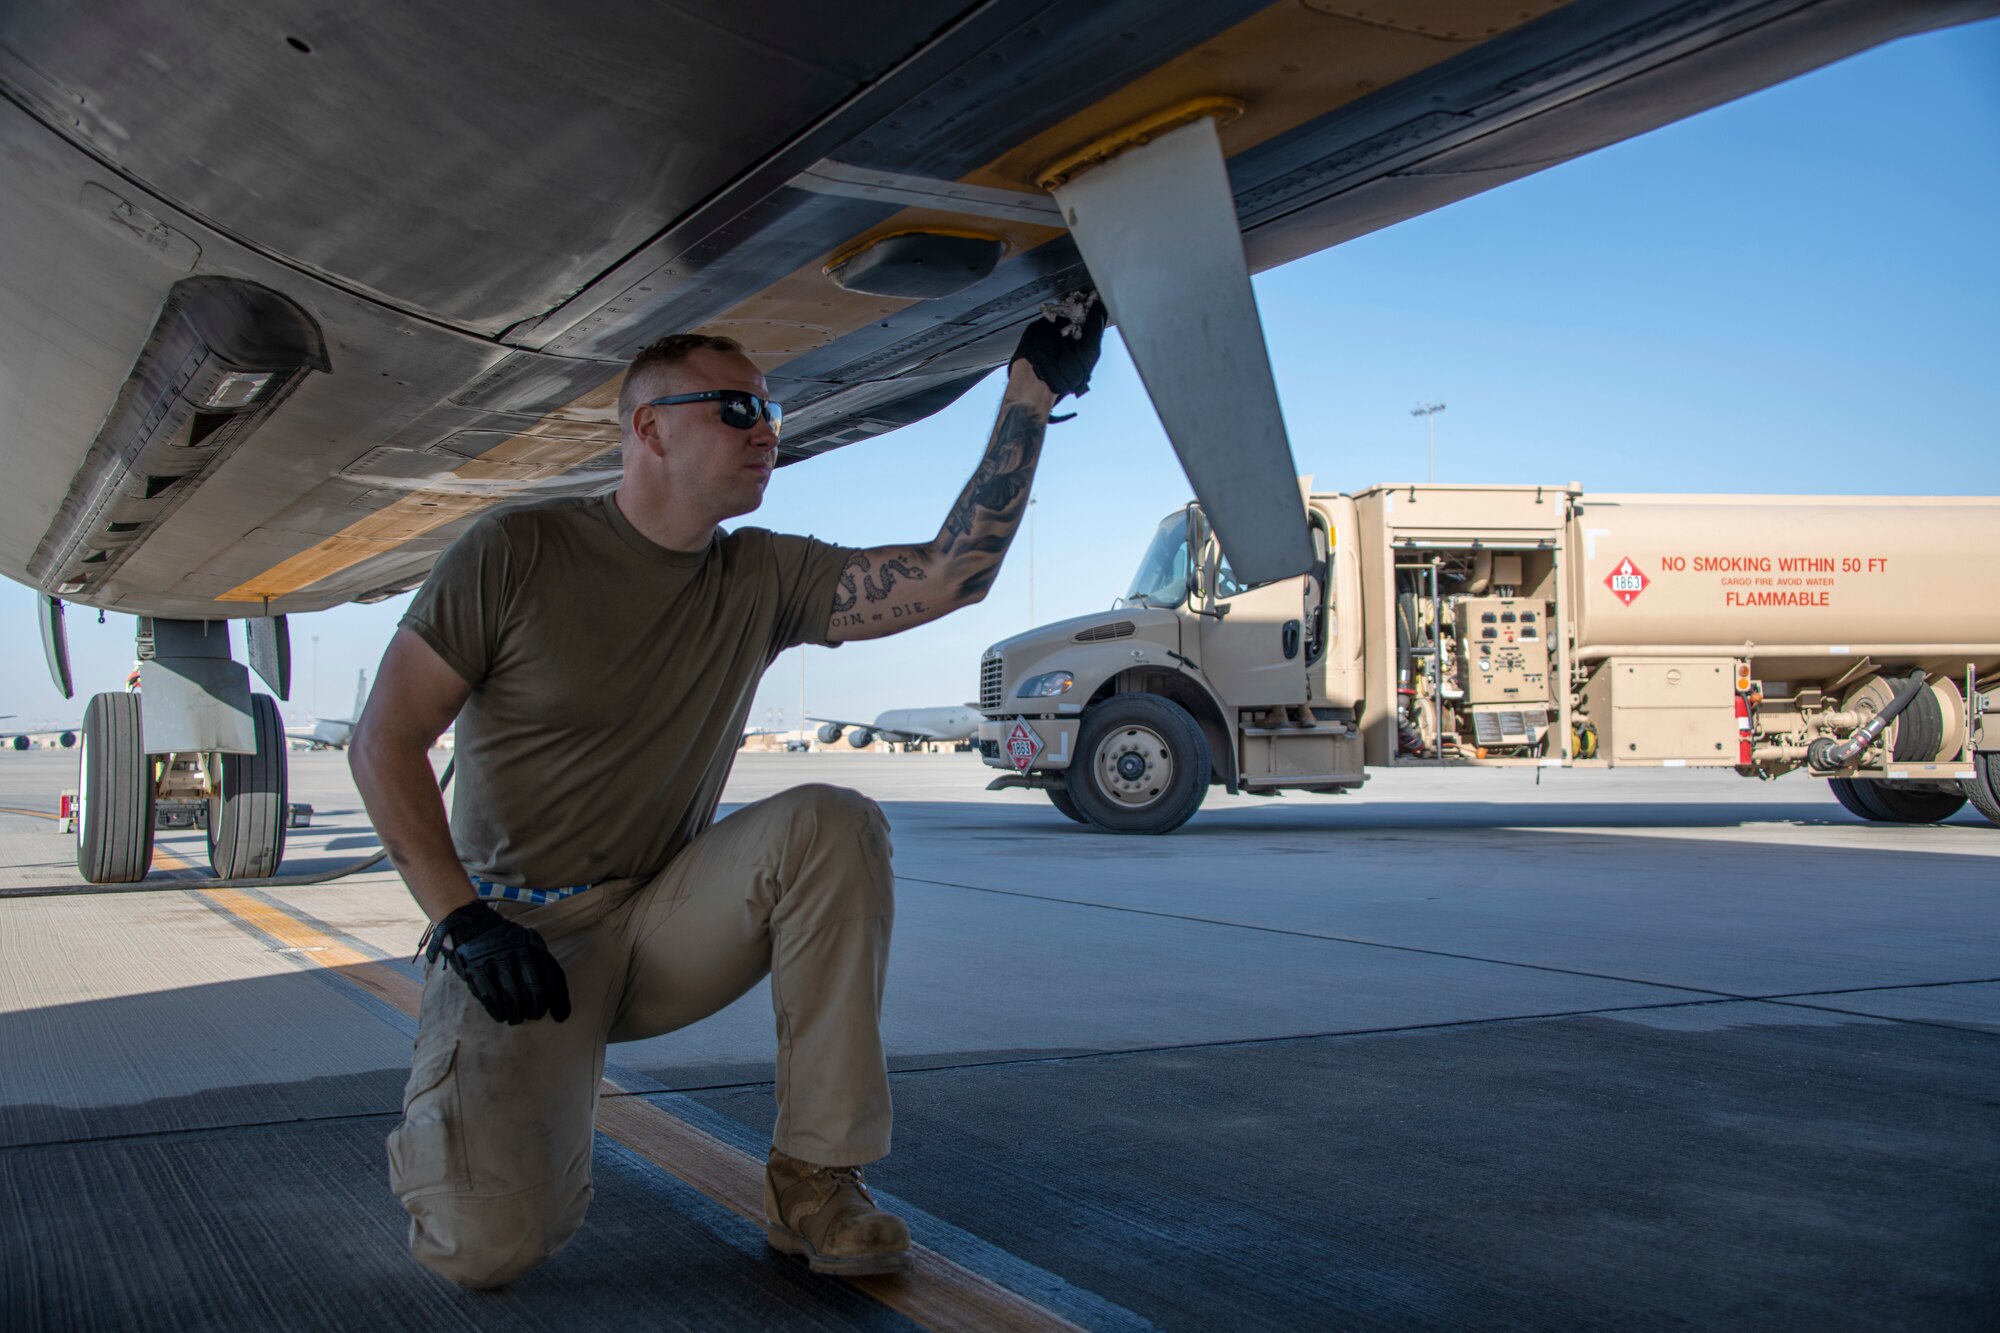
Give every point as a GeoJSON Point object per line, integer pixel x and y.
{"type": "Point", "coordinates": [1827, 755]}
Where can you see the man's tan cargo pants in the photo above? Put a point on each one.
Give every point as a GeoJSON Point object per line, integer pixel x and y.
{"type": "Point", "coordinates": [492, 1158]}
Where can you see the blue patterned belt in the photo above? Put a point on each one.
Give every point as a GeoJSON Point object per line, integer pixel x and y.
{"type": "Point", "coordinates": [512, 893]}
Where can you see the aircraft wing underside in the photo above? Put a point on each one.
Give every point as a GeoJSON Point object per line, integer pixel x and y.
{"type": "Point", "coordinates": [288, 298]}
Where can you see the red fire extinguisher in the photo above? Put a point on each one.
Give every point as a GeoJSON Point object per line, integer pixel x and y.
{"type": "Point", "coordinates": [1743, 729]}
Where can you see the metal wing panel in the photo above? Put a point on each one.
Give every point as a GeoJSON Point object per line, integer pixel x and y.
{"type": "Point", "coordinates": [476, 166]}
{"type": "Point", "coordinates": [980, 97]}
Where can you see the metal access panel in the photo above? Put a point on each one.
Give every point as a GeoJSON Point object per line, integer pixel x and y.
{"type": "Point", "coordinates": [1672, 709]}
{"type": "Point", "coordinates": [1506, 650]}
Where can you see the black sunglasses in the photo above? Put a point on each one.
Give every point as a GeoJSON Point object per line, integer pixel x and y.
{"type": "Point", "coordinates": [739, 409]}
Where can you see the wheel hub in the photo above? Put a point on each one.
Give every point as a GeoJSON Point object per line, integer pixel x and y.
{"type": "Point", "coordinates": [1134, 767]}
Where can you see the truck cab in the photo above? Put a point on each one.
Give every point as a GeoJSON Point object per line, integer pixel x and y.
{"type": "Point", "coordinates": [1192, 679]}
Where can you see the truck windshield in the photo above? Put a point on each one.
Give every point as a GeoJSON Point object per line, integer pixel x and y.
{"type": "Point", "coordinates": [1162, 576]}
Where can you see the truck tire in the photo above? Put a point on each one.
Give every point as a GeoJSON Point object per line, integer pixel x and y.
{"type": "Point", "coordinates": [1881, 803]}
{"type": "Point", "coordinates": [1142, 765]}
{"type": "Point", "coordinates": [1855, 798]}
{"type": "Point", "coordinates": [247, 813]}
{"type": "Point", "coordinates": [1983, 787]}
{"type": "Point", "coordinates": [114, 793]}
{"type": "Point", "coordinates": [1059, 798]}
{"type": "Point", "coordinates": [1918, 805]}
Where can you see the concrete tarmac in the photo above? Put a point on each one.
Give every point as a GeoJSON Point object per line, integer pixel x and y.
{"type": "Point", "coordinates": [1468, 1049]}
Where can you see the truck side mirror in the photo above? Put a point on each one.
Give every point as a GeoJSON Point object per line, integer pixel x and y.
{"type": "Point", "coordinates": [1192, 547]}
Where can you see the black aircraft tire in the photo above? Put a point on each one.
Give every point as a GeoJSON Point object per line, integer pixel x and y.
{"type": "Point", "coordinates": [1983, 787]}
{"type": "Point", "coordinates": [1142, 765]}
{"type": "Point", "coordinates": [114, 790]}
{"type": "Point", "coordinates": [1858, 800]}
{"type": "Point", "coordinates": [246, 817]}
{"type": "Point", "coordinates": [1059, 798]}
{"type": "Point", "coordinates": [1917, 805]}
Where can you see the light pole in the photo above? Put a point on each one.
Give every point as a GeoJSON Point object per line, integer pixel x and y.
{"type": "Point", "coordinates": [802, 691]}
{"type": "Point", "coordinates": [1032, 502]}
{"type": "Point", "coordinates": [1429, 411]}
{"type": "Point", "coordinates": [315, 677]}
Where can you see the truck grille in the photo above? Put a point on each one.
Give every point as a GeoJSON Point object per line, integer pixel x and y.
{"type": "Point", "coordinates": [992, 675]}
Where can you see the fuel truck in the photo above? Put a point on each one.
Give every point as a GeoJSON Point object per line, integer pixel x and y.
{"type": "Point", "coordinates": [1855, 638]}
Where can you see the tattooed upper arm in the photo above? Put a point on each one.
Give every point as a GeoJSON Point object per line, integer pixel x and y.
{"type": "Point", "coordinates": [882, 591]}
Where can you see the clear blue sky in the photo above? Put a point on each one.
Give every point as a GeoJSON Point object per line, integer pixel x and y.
{"type": "Point", "coordinates": [1797, 292]}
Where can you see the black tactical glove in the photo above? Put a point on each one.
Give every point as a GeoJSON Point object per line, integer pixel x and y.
{"type": "Point", "coordinates": [1062, 345]}
{"type": "Point", "coordinates": [507, 967]}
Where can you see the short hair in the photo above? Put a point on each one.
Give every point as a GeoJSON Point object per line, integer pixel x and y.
{"type": "Point", "coordinates": [662, 355]}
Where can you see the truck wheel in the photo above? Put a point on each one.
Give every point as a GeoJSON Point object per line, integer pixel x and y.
{"type": "Point", "coordinates": [1142, 765]}
{"type": "Point", "coordinates": [1857, 799]}
{"type": "Point", "coordinates": [1983, 787]}
{"type": "Point", "coordinates": [114, 794]}
{"type": "Point", "coordinates": [1059, 798]}
{"type": "Point", "coordinates": [1918, 805]}
{"type": "Point", "coordinates": [1880, 803]}
{"type": "Point", "coordinates": [246, 815]}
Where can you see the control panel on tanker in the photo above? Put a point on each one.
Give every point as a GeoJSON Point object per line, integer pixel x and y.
{"type": "Point", "coordinates": [1504, 644]}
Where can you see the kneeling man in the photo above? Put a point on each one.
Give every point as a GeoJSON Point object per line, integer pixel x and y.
{"type": "Point", "coordinates": [600, 657]}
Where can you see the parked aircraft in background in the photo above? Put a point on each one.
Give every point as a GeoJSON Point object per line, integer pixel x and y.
{"type": "Point", "coordinates": [25, 740]}
{"type": "Point", "coordinates": [333, 733]}
{"type": "Point", "coordinates": [908, 727]}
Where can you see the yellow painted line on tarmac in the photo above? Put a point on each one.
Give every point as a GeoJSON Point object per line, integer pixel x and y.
{"type": "Point", "coordinates": [163, 859]}
{"type": "Point", "coordinates": [936, 1292]}
{"type": "Point", "coordinates": [38, 814]}
{"type": "Point", "coordinates": [373, 975]}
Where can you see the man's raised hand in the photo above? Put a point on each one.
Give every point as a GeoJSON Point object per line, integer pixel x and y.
{"type": "Point", "coordinates": [1061, 346]}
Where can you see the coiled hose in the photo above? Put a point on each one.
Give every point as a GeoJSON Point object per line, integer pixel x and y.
{"type": "Point", "coordinates": [1827, 755]}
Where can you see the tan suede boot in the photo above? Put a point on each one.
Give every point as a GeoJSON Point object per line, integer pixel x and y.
{"type": "Point", "coordinates": [826, 1214]}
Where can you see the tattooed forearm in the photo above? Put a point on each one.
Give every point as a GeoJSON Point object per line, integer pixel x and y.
{"type": "Point", "coordinates": [981, 525]}
{"type": "Point", "coordinates": [890, 588]}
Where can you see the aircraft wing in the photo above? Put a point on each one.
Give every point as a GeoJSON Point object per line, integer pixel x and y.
{"type": "Point", "coordinates": [288, 303]}
{"type": "Point", "coordinates": [896, 734]}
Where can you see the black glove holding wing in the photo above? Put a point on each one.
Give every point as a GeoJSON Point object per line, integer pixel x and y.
{"type": "Point", "coordinates": [1062, 345]}
{"type": "Point", "coordinates": [508, 968]}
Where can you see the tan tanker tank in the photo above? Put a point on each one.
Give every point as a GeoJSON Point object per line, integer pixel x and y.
{"type": "Point", "coordinates": [1787, 581]}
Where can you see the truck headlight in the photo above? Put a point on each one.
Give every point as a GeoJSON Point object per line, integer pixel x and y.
{"type": "Point", "coordinates": [1045, 685]}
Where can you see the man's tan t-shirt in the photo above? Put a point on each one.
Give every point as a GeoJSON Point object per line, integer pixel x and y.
{"type": "Point", "coordinates": [610, 681]}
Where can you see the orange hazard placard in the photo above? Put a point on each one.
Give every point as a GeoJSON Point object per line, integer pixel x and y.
{"type": "Point", "coordinates": [1626, 581]}
{"type": "Point", "coordinates": [1023, 744]}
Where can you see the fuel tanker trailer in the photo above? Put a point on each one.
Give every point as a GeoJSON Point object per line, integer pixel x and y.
{"type": "Point", "coordinates": [1852, 638]}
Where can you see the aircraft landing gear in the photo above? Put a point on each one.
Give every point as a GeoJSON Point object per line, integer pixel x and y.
{"type": "Point", "coordinates": [218, 753]}
{"type": "Point", "coordinates": [247, 807]}
{"type": "Point", "coordinates": [114, 794]}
